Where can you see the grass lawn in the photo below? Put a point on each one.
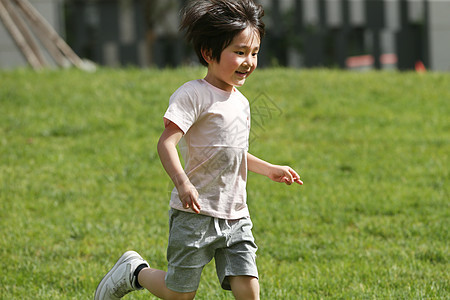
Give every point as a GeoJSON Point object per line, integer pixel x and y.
{"type": "Point", "coordinates": [81, 182]}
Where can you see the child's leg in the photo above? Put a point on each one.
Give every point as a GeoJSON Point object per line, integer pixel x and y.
{"type": "Point", "coordinates": [154, 281]}
{"type": "Point", "coordinates": [244, 287]}
{"type": "Point", "coordinates": [131, 272]}
{"type": "Point", "coordinates": [236, 263]}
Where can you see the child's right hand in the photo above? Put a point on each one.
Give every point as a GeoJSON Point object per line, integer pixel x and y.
{"type": "Point", "coordinates": [189, 196]}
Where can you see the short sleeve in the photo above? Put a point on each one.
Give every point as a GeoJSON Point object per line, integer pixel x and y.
{"type": "Point", "coordinates": [183, 109]}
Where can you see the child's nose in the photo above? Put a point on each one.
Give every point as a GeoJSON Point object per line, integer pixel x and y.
{"type": "Point", "coordinates": [249, 61]}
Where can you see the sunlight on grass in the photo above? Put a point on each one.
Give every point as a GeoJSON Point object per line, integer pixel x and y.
{"type": "Point", "coordinates": [81, 182]}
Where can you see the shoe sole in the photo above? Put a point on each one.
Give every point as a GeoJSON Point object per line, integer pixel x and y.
{"type": "Point", "coordinates": [105, 278]}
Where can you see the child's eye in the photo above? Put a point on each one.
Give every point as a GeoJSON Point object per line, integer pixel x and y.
{"type": "Point", "coordinates": [255, 54]}
{"type": "Point", "coordinates": [240, 53]}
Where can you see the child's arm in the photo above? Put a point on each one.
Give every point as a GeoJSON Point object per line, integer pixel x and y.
{"type": "Point", "coordinates": [277, 173]}
{"type": "Point", "coordinates": [168, 155]}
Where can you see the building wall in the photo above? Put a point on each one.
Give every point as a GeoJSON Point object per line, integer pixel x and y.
{"type": "Point", "coordinates": [328, 31]}
{"type": "Point", "coordinates": [108, 32]}
{"type": "Point", "coordinates": [300, 33]}
{"type": "Point", "coordinates": [439, 35]}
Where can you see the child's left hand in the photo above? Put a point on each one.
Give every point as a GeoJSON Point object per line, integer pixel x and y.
{"type": "Point", "coordinates": [284, 174]}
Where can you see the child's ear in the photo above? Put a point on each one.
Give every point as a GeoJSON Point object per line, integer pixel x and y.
{"type": "Point", "coordinates": [207, 55]}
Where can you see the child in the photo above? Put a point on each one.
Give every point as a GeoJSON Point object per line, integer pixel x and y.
{"type": "Point", "coordinates": [209, 217]}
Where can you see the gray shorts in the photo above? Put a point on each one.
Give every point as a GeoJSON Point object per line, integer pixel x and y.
{"type": "Point", "coordinates": [195, 239]}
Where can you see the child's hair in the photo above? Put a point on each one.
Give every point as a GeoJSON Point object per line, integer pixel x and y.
{"type": "Point", "coordinates": [212, 24]}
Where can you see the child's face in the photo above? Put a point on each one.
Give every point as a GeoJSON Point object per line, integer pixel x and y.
{"type": "Point", "coordinates": [237, 61]}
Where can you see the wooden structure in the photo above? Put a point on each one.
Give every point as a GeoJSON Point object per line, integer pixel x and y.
{"type": "Point", "coordinates": [32, 33]}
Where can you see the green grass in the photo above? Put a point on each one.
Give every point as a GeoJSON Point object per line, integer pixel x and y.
{"type": "Point", "coordinates": [81, 182]}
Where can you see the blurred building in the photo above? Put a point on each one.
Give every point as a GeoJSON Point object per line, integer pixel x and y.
{"type": "Point", "coordinates": [360, 33]}
{"type": "Point", "coordinates": [355, 34]}
{"type": "Point", "coordinates": [126, 32]}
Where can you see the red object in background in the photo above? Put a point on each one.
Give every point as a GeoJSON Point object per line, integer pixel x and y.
{"type": "Point", "coordinates": [420, 67]}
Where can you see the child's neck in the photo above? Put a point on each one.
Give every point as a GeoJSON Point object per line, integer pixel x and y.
{"type": "Point", "coordinates": [214, 81]}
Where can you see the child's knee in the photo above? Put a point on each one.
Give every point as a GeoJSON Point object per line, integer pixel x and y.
{"type": "Point", "coordinates": [245, 287]}
{"type": "Point", "coordinates": [181, 296]}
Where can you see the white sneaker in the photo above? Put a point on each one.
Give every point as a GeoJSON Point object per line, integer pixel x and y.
{"type": "Point", "coordinates": [120, 280]}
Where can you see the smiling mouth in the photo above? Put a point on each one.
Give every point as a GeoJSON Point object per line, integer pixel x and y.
{"type": "Point", "coordinates": [242, 73]}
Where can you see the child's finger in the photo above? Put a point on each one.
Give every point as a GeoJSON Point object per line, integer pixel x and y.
{"type": "Point", "coordinates": [295, 176]}
{"type": "Point", "coordinates": [288, 180]}
{"type": "Point", "coordinates": [293, 173]}
{"type": "Point", "coordinates": [195, 206]}
{"type": "Point", "coordinates": [290, 176]}
{"type": "Point", "coordinates": [185, 205]}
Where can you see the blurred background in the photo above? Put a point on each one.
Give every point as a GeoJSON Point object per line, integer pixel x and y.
{"type": "Point", "coordinates": [346, 34]}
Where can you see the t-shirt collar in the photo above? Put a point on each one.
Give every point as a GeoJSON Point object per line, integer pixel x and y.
{"type": "Point", "coordinates": [219, 90]}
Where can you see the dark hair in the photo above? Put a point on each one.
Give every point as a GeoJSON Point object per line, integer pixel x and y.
{"type": "Point", "coordinates": [212, 24]}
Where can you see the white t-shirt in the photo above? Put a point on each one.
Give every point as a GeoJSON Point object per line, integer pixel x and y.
{"type": "Point", "coordinates": [216, 126]}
